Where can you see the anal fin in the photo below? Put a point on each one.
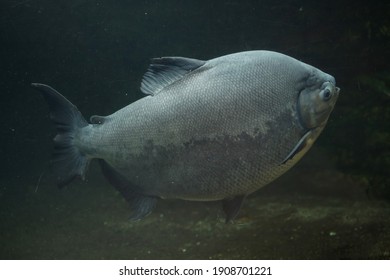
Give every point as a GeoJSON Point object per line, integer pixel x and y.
{"type": "Point", "coordinates": [141, 205]}
{"type": "Point", "coordinates": [232, 206]}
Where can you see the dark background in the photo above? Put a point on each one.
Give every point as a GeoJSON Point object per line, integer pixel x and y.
{"type": "Point", "coordinates": [95, 53]}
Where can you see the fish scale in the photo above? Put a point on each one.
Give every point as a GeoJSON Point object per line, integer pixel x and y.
{"type": "Point", "coordinates": [207, 130]}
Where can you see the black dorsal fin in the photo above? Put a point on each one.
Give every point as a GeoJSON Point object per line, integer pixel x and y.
{"type": "Point", "coordinates": [166, 70]}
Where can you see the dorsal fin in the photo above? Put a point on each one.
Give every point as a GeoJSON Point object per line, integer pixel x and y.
{"type": "Point", "coordinates": [166, 70]}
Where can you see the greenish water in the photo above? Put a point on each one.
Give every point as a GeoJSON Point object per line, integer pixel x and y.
{"type": "Point", "coordinates": [332, 205]}
{"type": "Point", "coordinates": [313, 212]}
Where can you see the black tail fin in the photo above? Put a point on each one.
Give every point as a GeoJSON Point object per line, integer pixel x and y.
{"type": "Point", "coordinates": [68, 162]}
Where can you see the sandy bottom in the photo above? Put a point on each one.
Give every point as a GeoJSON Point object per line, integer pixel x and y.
{"type": "Point", "coordinates": [312, 212]}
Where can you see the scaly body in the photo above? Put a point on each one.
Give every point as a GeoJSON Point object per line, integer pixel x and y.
{"type": "Point", "coordinates": [208, 130]}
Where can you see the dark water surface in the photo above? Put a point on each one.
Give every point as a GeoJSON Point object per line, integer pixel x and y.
{"type": "Point", "coordinates": [332, 205]}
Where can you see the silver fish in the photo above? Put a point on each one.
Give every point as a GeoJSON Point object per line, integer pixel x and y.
{"type": "Point", "coordinates": [207, 130]}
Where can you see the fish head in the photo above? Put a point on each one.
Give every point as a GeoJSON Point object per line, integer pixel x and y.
{"type": "Point", "coordinates": [317, 100]}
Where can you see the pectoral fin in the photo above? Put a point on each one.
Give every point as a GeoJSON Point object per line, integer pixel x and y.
{"type": "Point", "coordinates": [298, 147]}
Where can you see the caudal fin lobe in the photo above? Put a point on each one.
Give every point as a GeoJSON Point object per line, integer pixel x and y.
{"type": "Point", "coordinates": [68, 161]}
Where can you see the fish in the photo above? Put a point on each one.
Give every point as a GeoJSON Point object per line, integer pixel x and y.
{"type": "Point", "coordinates": [206, 130]}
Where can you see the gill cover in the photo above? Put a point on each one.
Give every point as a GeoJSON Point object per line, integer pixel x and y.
{"type": "Point", "coordinates": [315, 105]}
{"type": "Point", "coordinates": [314, 108]}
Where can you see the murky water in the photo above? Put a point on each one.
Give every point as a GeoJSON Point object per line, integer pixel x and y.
{"type": "Point", "coordinates": [332, 205]}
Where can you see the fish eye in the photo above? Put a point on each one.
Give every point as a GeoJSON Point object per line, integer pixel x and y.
{"type": "Point", "coordinates": [326, 94]}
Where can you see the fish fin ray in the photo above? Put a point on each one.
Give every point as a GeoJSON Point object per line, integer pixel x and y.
{"type": "Point", "coordinates": [164, 71]}
{"type": "Point", "coordinates": [67, 160]}
{"type": "Point", "coordinates": [141, 205]}
{"type": "Point", "coordinates": [232, 206]}
{"type": "Point", "coordinates": [298, 147]}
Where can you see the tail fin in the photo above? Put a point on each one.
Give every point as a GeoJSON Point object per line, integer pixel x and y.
{"type": "Point", "coordinates": [68, 162]}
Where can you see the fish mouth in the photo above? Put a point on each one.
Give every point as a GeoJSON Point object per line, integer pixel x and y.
{"type": "Point", "coordinates": [336, 96]}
